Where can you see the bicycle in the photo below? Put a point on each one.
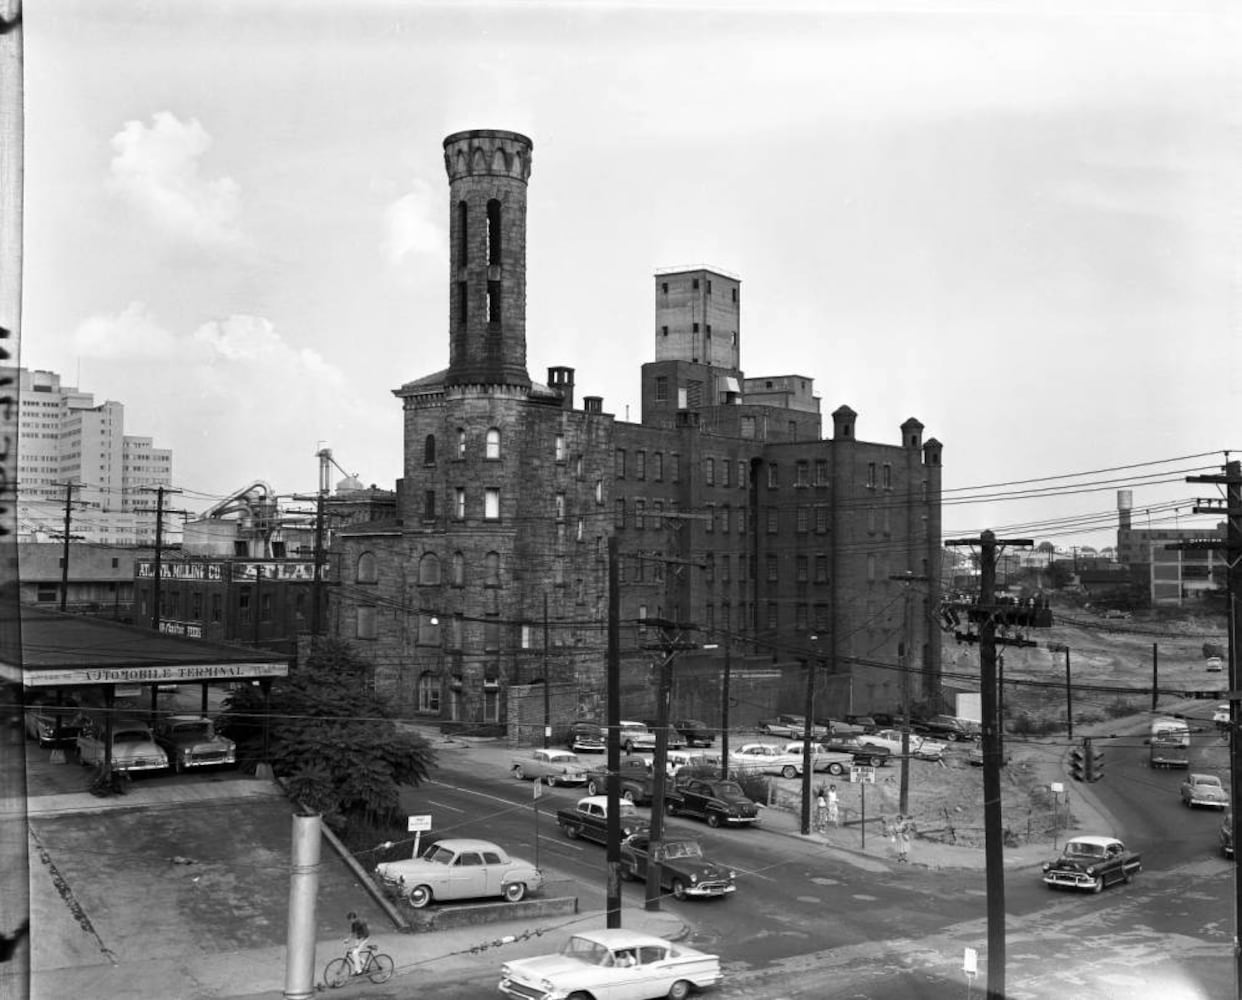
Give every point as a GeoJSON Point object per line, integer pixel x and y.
{"type": "Point", "coordinates": [376, 966]}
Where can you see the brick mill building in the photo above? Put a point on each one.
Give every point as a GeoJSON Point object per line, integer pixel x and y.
{"type": "Point", "coordinates": [731, 513]}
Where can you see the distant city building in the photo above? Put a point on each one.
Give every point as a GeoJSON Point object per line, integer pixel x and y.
{"type": "Point", "coordinates": [100, 578]}
{"type": "Point", "coordinates": [65, 437]}
{"type": "Point", "coordinates": [1170, 575]}
{"type": "Point", "coordinates": [731, 514]}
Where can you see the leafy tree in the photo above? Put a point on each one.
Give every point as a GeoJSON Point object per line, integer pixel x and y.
{"type": "Point", "coordinates": [334, 743]}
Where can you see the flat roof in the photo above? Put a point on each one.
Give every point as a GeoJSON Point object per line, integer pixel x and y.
{"type": "Point", "coordinates": [58, 650]}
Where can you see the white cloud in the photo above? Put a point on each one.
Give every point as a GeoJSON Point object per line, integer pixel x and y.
{"type": "Point", "coordinates": [131, 333]}
{"type": "Point", "coordinates": [156, 169]}
{"type": "Point", "coordinates": [409, 227]}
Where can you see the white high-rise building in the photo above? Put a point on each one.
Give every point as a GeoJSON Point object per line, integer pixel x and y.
{"type": "Point", "coordinates": [64, 438]}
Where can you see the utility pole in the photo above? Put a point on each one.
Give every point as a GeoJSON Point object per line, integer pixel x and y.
{"type": "Point", "coordinates": [159, 545]}
{"type": "Point", "coordinates": [906, 659]}
{"type": "Point", "coordinates": [612, 708]}
{"type": "Point", "coordinates": [807, 730]}
{"type": "Point", "coordinates": [64, 559]}
{"type": "Point", "coordinates": [993, 850]}
{"type": "Point", "coordinates": [724, 712]}
{"type": "Point", "coordinates": [547, 695]}
{"type": "Point", "coordinates": [671, 643]}
{"type": "Point", "coordinates": [1232, 509]}
{"type": "Point", "coordinates": [325, 457]}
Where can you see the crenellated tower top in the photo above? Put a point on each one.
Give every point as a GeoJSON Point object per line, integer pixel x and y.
{"type": "Point", "coordinates": [487, 170]}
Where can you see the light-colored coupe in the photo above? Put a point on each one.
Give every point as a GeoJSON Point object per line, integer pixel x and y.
{"type": "Point", "coordinates": [552, 767]}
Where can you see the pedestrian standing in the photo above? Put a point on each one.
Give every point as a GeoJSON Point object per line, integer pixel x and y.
{"type": "Point", "coordinates": [821, 810]}
{"type": "Point", "coordinates": [834, 806]}
{"type": "Point", "coordinates": [902, 831]}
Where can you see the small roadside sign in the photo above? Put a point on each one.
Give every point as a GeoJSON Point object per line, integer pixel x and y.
{"type": "Point", "coordinates": [418, 824]}
{"type": "Point", "coordinates": [537, 790]}
{"type": "Point", "coordinates": [863, 774]}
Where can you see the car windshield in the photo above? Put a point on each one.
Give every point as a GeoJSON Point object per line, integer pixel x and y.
{"type": "Point", "coordinates": [694, 724]}
{"type": "Point", "coordinates": [627, 810]}
{"type": "Point", "coordinates": [1077, 849]}
{"type": "Point", "coordinates": [130, 736]}
{"type": "Point", "coordinates": [586, 951]}
{"type": "Point", "coordinates": [730, 790]}
{"type": "Point", "coordinates": [439, 855]}
{"type": "Point", "coordinates": [683, 849]}
{"type": "Point", "coordinates": [193, 730]}
{"type": "Point", "coordinates": [1207, 779]}
{"type": "Point", "coordinates": [565, 758]}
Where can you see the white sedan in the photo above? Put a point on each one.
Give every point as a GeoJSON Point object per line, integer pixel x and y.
{"type": "Point", "coordinates": [823, 759]}
{"type": "Point", "coordinates": [765, 758]}
{"type": "Point", "coordinates": [614, 963]}
{"type": "Point", "coordinates": [920, 746]}
{"type": "Point", "coordinates": [460, 868]}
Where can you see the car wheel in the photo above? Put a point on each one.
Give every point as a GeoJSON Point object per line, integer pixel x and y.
{"type": "Point", "coordinates": [515, 891]}
{"type": "Point", "coordinates": [549, 780]}
{"type": "Point", "coordinates": [877, 762]}
{"type": "Point", "coordinates": [835, 768]}
{"type": "Point", "coordinates": [1128, 877]}
{"type": "Point", "coordinates": [670, 807]}
{"type": "Point", "coordinates": [1098, 885]}
{"type": "Point", "coordinates": [626, 873]}
{"type": "Point", "coordinates": [592, 788]}
{"type": "Point", "coordinates": [572, 831]}
{"type": "Point", "coordinates": [679, 889]}
{"type": "Point", "coordinates": [713, 820]}
{"type": "Point", "coordinates": [419, 896]}
{"type": "Point", "coordinates": [679, 990]}
{"type": "Point", "coordinates": [628, 795]}
{"type": "Point", "coordinates": [951, 737]}
{"type": "Point", "coordinates": [789, 771]}
{"type": "Point", "coordinates": [519, 774]}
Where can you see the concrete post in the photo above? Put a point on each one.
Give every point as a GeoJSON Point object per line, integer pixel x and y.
{"type": "Point", "coordinates": [303, 894]}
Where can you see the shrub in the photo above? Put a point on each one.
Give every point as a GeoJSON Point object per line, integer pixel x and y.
{"type": "Point", "coordinates": [1119, 707]}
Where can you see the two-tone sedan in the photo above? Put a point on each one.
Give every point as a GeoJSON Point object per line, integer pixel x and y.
{"type": "Point", "coordinates": [1092, 863]}
{"type": "Point", "coordinates": [615, 963]}
{"type": "Point", "coordinates": [765, 758]}
{"type": "Point", "coordinates": [683, 869]}
{"type": "Point", "coordinates": [459, 868]}
{"type": "Point", "coordinates": [551, 766]}
{"type": "Point", "coordinates": [1204, 790]}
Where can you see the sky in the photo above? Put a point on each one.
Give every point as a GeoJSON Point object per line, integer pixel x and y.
{"type": "Point", "coordinates": [1017, 222]}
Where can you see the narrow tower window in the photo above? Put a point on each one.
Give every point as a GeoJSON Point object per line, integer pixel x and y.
{"type": "Point", "coordinates": [463, 238]}
{"type": "Point", "coordinates": [461, 305]}
{"type": "Point", "coordinates": [493, 231]}
{"type": "Point", "coordinates": [493, 302]}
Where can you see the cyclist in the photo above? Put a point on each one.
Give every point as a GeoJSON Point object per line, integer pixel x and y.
{"type": "Point", "coordinates": [359, 935]}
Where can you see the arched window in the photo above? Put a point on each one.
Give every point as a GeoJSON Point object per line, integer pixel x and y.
{"type": "Point", "coordinates": [461, 442]}
{"type": "Point", "coordinates": [493, 231]}
{"type": "Point", "coordinates": [459, 570]}
{"type": "Point", "coordinates": [492, 449]}
{"type": "Point", "coordinates": [366, 572]}
{"type": "Point", "coordinates": [428, 692]}
{"type": "Point", "coordinates": [491, 569]}
{"type": "Point", "coordinates": [429, 570]}
{"type": "Point", "coordinates": [429, 450]}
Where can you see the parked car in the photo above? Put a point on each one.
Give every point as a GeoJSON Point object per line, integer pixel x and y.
{"type": "Point", "coordinates": [615, 963]}
{"type": "Point", "coordinates": [589, 819]}
{"type": "Point", "coordinates": [765, 758]}
{"type": "Point", "coordinates": [552, 767]}
{"type": "Point", "coordinates": [688, 761]}
{"type": "Point", "coordinates": [921, 747]}
{"type": "Point", "coordinates": [191, 741]}
{"type": "Point", "coordinates": [860, 749]}
{"type": "Point", "coordinates": [950, 727]}
{"type": "Point", "coordinates": [54, 725]}
{"type": "Point", "coordinates": [1204, 790]}
{"type": "Point", "coordinates": [635, 737]}
{"type": "Point", "coordinates": [1213, 664]}
{"type": "Point", "coordinates": [867, 722]}
{"type": "Point", "coordinates": [822, 758]}
{"type": "Point", "coordinates": [459, 868]}
{"type": "Point", "coordinates": [839, 727]}
{"type": "Point", "coordinates": [635, 778]}
{"type": "Point", "coordinates": [586, 737]}
{"type": "Point", "coordinates": [673, 741]}
{"type": "Point", "coordinates": [695, 733]}
{"type": "Point", "coordinates": [1226, 834]}
{"type": "Point", "coordinates": [714, 799]}
{"type": "Point", "coordinates": [683, 869]}
{"type": "Point", "coordinates": [884, 721]}
{"type": "Point", "coordinates": [1220, 715]}
{"type": "Point", "coordinates": [1092, 863]}
{"type": "Point", "coordinates": [790, 726]}
{"type": "Point", "coordinates": [133, 746]}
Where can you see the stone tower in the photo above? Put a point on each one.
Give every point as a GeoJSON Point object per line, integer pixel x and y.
{"type": "Point", "coordinates": [487, 170]}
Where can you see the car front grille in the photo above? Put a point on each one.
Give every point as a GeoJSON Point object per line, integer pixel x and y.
{"type": "Point", "coordinates": [516, 989]}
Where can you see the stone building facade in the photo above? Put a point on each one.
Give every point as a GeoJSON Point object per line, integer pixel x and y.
{"type": "Point", "coordinates": [731, 514]}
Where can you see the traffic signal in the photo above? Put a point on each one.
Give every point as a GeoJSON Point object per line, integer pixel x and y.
{"type": "Point", "coordinates": [1078, 763]}
{"type": "Point", "coordinates": [1095, 763]}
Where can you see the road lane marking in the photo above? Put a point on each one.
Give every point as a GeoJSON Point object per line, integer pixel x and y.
{"type": "Point", "coordinates": [444, 805]}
